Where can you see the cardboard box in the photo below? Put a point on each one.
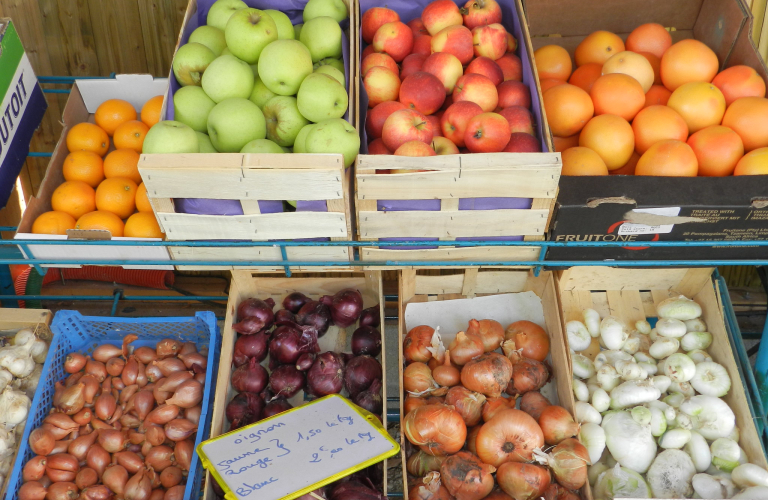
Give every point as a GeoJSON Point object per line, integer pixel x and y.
{"type": "Point", "coordinates": [85, 97]}
{"type": "Point", "coordinates": [637, 209]}
{"type": "Point", "coordinates": [22, 109]}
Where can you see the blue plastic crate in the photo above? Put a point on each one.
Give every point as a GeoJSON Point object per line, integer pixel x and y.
{"type": "Point", "coordinates": [77, 333]}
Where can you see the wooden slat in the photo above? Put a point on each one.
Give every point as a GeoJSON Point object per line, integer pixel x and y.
{"type": "Point", "coordinates": [117, 35]}
{"type": "Point", "coordinates": [486, 161]}
{"type": "Point", "coordinates": [452, 254]}
{"type": "Point", "coordinates": [487, 282]}
{"type": "Point", "coordinates": [607, 278]}
{"type": "Point", "coordinates": [455, 224]}
{"type": "Point", "coordinates": [237, 160]}
{"type": "Point", "coordinates": [160, 26]}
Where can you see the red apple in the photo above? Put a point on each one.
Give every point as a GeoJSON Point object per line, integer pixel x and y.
{"type": "Point", "coordinates": [487, 133]}
{"type": "Point", "coordinates": [520, 142]}
{"type": "Point", "coordinates": [411, 64]}
{"type": "Point", "coordinates": [367, 51]}
{"type": "Point", "coordinates": [422, 44]}
{"type": "Point", "coordinates": [444, 146]}
{"type": "Point", "coordinates": [417, 26]}
{"type": "Point", "coordinates": [487, 67]}
{"type": "Point", "coordinates": [440, 14]}
{"type": "Point", "coordinates": [519, 119]}
{"type": "Point", "coordinates": [436, 129]}
{"type": "Point", "coordinates": [377, 147]}
{"type": "Point", "coordinates": [448, 102]}
{"type": "Point", "coordinates": [490, 41]}
{"type": "Point", "coordinates": [455, 119]}
{"type": "Point", "coordinates": [478, 89]}
{"type": "Point", "coordinates": [406, 125]}
{"type": "Point", "coordinates": [378, 115]}
{"type": "Point", "coordinates": [374, 18]}
{"type": "Point", "coordinates": [377, 59]}
{"type": "Point", "coordinates": [456, 40]}
{"type": "Point", "coordinates": [423, 92]}
{"type": "Point", "coordinates": [446, 67]}
{"type": "Point", "coordinates": [381, 84]}
{"type": "Point", "coordinates": [395, 39]}
{"type": "Point", "coordinates": [414, 148]}
{"type": "Point", "coordinates": [481, 13]}
{"type": "Point", "coordinates": [512, 93]}
{"type": "Point", "coordinates": [511, 43]}
{"type": "Point", "coordinates": [511, 66]}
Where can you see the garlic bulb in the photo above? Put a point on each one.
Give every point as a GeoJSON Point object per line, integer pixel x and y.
{"type": "Point", "coordinates": [5, 379]}
{"type": "Point", "coordinates": [14, 407]}
{"type": "Point", "coordinates": [6, 464]}
{"type": "Point", "coordinates": [39, 351]}
{"type": "Point", "coordinates": [7, 444]}
{"type": "Point", "coordinates": [24, 337]}
{"type": "Point", "coordinates": [18, 359]}
{"type": "Point", "coordinates": [29, 383]}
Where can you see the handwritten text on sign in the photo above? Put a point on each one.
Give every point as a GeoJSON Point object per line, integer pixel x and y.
{"type": "Point", "coordinates": [295, 450]}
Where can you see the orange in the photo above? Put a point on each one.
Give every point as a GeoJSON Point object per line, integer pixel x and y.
{"type": "Point", "coordinates": [130, 135]}
{"type": "Point", "coordinates": [718, 149]}
{"type": "Point", "coordinates": [657, 123]}
{"type": "Point", "coordinates": [112, 113]}
{"type": "Point", "coordinates": [658, 94]}
{"type": "Point", "coordinates": [650, 37]}
{"type": "Point", "coordinates": [617, 94]}
{"type": "Point", "coordinates": [83, 166]}
{"type": "Point", "coordinates": [117, 195]}
{"type": "Point", "coordinates": [53, 223]}
{"type": "Point", "coordinates": [669, 158]}
{"type": "Point", "coordinates": [583, 161]}
{"type": "Point", "coordinates": [753, 163]}
{"type": "Point", "coordinates": [88, 137]}
{"type": "Point", "coordinates": [598, 47]}
{"type": "Point", "coordinates": [553, 61]}
{"type": "Point", "coordinates": [548, 83]}
{"type": "Point", "coordinates": [585, 76]}
{"type": "Point", "coordinates": [700, 104]}
{"type": "Point", "coordinates": [142, 225]}
{"type": "Point", "coordinates": [563, 143]}
{"type": "Point", "coordinates": [122, 163]}
{"type": "Point", "coordinates": [748, 117]}
{"type": "Point", "coordinates": [611, 137]}
{"type": "Point", "coordinates": [739, 81]}
{"type": "Point", "coordinates": [568, 109]}
{"type": "Point", "coordinates": [150, 112]}
{"type": "Point", "coordinates": [142, 201]}
{"type": "Point", "coordinates": [101, 220]}
{"type": "Point", "coordinates": [655, 63]}
{"type": "Point", "coordinates": [631, 64]}
{"type": "Point", "coordinates": [688, 61]}
{"type": "Point", "coordinates": [73, 197]}
{"type": "Point", "coordinates": [629, 167]}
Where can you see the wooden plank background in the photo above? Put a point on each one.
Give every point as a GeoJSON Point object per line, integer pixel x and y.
{"type": "Point", "coordinates": [87, 38]}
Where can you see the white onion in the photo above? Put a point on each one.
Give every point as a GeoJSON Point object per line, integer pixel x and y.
{"type": "Point", "coordinates": [696, 340]}
{"type": "Point", "coordinates": [695, 325]}
{"type": "Point", "coordinates": [601, 401]}
{"type": "Point", "coordinates": [633, 392]}
{"type": "Point", "coordinates": [674, 400]}
{"type": "Point", "coordinates": [664, 347]}
{"type": "Point", "coordinates": [675, 438]}
{"type": "Point", "coordinates": [612, 333]}
{"type": "Point", "coordinates": [711, 379]}
{"type": "Point", "coordinates": [752, 493]}
{"type": "Point", "coordinates": [672, 328]}
{"type": "Point", "coordinates": [658, 421]}
{"type": "Point", "coordinates": [632, 345]}
{"type": "Point", "coordinates": [629, 370]}
{"type": "Point", "coordinates": [698, 449]}
{"type": "Point", "coordinates": [611, 356]}
{"type": "Point", "coordinates": [592, 436]}
{"type": "Point", "coordinates": [582, 366]}
{"type": "Point", "coordinates": [592, 322]}
{"type": "Point", "coordinates": [662, 382]}
{"type": "Point", "coordinates": [644, 357]}
{"type": "Point", "coordinates": [607, 377]}
{"type": "Point", "coordinates": [680, 307]}
{"type": "Point", "coordinates": [725, 454]}
{"type": "Point", "coordinates": [670, 475]}
{"type": "Point", "coordinates": [746, 475]}
{"type": "Point", "coordinates": [715, 417]}
{"type": "Point", "coordinates": [679, 368]}
{"type": "Point", "coordinates": [641, 415]}
{"type": "Point", "coordinates": [585, 412]}
{"type": "Point", "coordinates": [578, 336]}
{"type": "Point", "coordinates": [650, 368]}
{"type": "Point", "coordinates": [643, 326]}
{"type": "Point", "coordinates": [707, 486]}
{"type": "Point", "coordinates": [580, 390]}
{"type": "Point", "coordinates": [699, 355]}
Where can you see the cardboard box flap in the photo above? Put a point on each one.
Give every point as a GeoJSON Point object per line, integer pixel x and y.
{"type": "Point", "coordinates": [136, 89]}
{"type": "Point", "coordinates": [745, 52]}
{"type": "Point", "coordinates": [718, 25]}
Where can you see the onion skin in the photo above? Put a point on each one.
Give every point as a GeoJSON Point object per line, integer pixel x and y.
{"type": "Point", "coordinates": [417, 379]}
{"type": "Point", "coordinates": [488, 374]}
{"type": "Point", "coordinates": [533, 403]}
{"type": "Point", "coordinates": [97, 458]}
{"type": "Point", "coordinates": [360, 373]}
{"type": "Point", "coordinates": [286, 381]}
{"type": "Point", "coordinates": [472, 439]}
{"type": "Point", "coordinates": [167, 347]}
{"type": "Point", "coordinates": [466, 477]}
{"type": "Point", "coordinates": [274, 407]}
{"type": "Point", "coordinates": [170, 476]}
{"type": "Point", "coordinates": [412, 402]}
{"type": "Point", "coordinates": [416, 342]}
{"type": "Point", "coordinates": [529, 337]}
{"type": "Point", "coordinates": [315, 314]}
{"type": "Point", "coordinates": [74, 362]}
{"type": "Point", "coordinates": [145, 354]}
{"type": "Point", "coordinates": [34, 470]}
{"type": "Point", "coordinates": [527, 375]}
{"type": "Point", "coordinates": [183, 453]}
{"type": "Point", "coordinates": [97, 369]}
{"type": "Point", "coordinates": [510, 436]}
{"type": "Point", "coordinates": [294, 301]}
{"type": "Point", "coordinates": [498, 495]}
{"type": "Point", "coordinates": [62, 491]}
{"type": "Point", "coordinates": [163, 414]}
{"type": "Point", "coordinates": [188, 394]}
{"type": "Point", "coordinates": [131, 461]}
{"type": "Point", "coordinates": [436, 429]}
{"type": "Point", "coordinates": [256, 308]}
{"type": "Point", "coordinates": [570, 459]}
{"type": "Point", "coordinates": [523, 481]}
{"type": "Point", "coordinates": [429, 488]}
{"type": "Point", "coordinates": [41, 442]}
{"type": "Point", "coordinates": [86, 477]}
{"type": "Point", "coordinates": [494, 405]}
{"type": "Point", "coordinates": [371, 317]}
{"type": "Point", "coordinates": [370, 399]}
{"type": "Point", "coordinates": [179, 429]}
{"type": "Point", "coordinates": [465, 347]}
{"type": "Point", "coordinates": [160, 457]}
{"type": "Point", "coordinates": [138, 487]}
{"type": "Point", "coordinates": [490, 332]}
{"type": "Point", "coordinates": [420, 463]}
{"type": "Point", "coordinates": [557, 492]}
{"type": "Point", "coordinates": [469, 404]}
{"type": "Point", "coordinates": [557, 424]}
{"type": "Point", "coordinates": [72, 399]}
{"type": "Point", "coordinates": [346, 306]}
{"type": "Point", "coordinates": [326, 375]}
{"type": "Point", "coordinates": [105, 352]}
{"type": "Point", "coordinates": [445, 374]}
{"type": "Point", "coordinates": [175, 493]}
{"type": "Point", "coordinates": [115, 477]}
{"type": "Point", "coordinates": [32, 490]}
{"type": "Point", "coordinates": [250, 346]}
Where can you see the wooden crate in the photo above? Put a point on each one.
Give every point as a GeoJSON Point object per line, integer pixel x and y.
{"type": "Point", "coordinates": [247, 284]}
{"type": "Point", "coordinates": [632, 295]}
{"type": "Point", "coordinates": [416, 286]}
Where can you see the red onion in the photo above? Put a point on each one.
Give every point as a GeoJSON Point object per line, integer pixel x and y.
{"type": "Point", "coordinates": [286, 381]}
{"type": "Point", "coordinates": [315, 314]}
{"type": "Point", "coordinates": [360, 373]}
{"type": "Point", "coordinates": [294, 301]}
{"type": "Point", "coordinates": [313, 495]}
{"type": "Point", "coordinates": [290, 341]}
{"type": "Point", "coordinates": [274, 407]}
{"type": "Point", "coordinates": [249, 325]}
{"type": "Point", "coordinates": [366, 340]}
{"type": "Point", "coordinates": [371, 317]}
{"type": "Point", "coordinates": [284, 316]}
{"type": "Point", "coordinates": [305, 361]}
{"type": "Point", "coordinates": [354, 490]}
{"type": "Point", "coordinates": [250, 346]}
{"type": "Point", "coordinates": [346, 306]}
{"type": "Point", "coordinates": [370, 399]}
{"type": "Point", "coordinates": [245, 406]}
{"type": "Point", "coordinates": [326, 375]}
{"type": "Point", "coordinates": [250, 377]}
{"type": "Point", "coordinates": [254, 315]}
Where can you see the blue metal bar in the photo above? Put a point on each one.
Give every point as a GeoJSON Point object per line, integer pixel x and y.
{"type": "Point", "coordinates": [118, 293]}
{"type": "Point", "coordinates": [70, 79]}
{"type": "Point", "coordinates": [159, 298]}
{"type": "Point", "coordinates": [284, 255]}
{"type": "Point", "coordinates": [57, 91]}
{"type": "Point", "coordinates": [8, 228]}
{"type": "Point", "coordinates": [542, 255]}
{"type": "Point", "coordinates": [38, 154]}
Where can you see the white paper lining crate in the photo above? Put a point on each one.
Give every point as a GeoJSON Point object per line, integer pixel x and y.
{"type": "Point", "coordinates": [249, 178]}
{"type": "Point", "coordinates": [632, 295]}
{"type": "Point", "coordinates": [449, 178]}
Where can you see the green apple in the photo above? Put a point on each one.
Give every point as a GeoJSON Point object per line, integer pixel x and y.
{"type": "Point", "coordinates": [262, 146]}
{"type": "Point", "coordinates": [334, 73]}
{"type": "Point", "coordinates": [299, 145]}
{"type": "Point", "coordinates": [322, 36]}
{"type": "Point", "coordinates": [284, 121]}
{"type": "Point", "coordinates": [190, 62]}
{"type": "Point", "coordinates": [191, 106]}
{"type": "Point", "coordinates": [334, 136]}
{"type": "Point", "coordinates": [228, 77]}
{"type": "Point", "coordinates": [335, 9]}
{"type": "Point", "coordinates": [297, 30]}
{"type": "Point", "coordinates": [283, 23]}
{"type": "Point", "coordinates": [332, 62]}
{"type": "Point", "coordinates": [226, 52]}
{"type": "Point", "coordinates": [211, 37]}
{"type": "Point", "coordinates": [170, 137]}
{"type": "Point", "coordinates": [283, 65]}
{"type": "Point", "coordinates": [261, 94]}
{"type": "Point", "coordinates": [321, 97]}
{"type": "Point", "coordinates": [233, 123]}
{"type": "Point", "coordinates": [222, 10]}
{"type": "Point", "coordinates": [248, 31]}
{"type": "Point", "coordinates": [206, 146]}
